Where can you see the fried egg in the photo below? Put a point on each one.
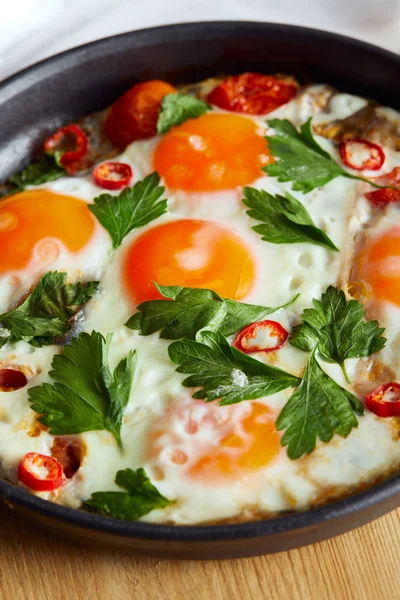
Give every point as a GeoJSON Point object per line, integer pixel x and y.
{"type": "Point", "coordinates": [216, 462]}
{"type": "Point", "coordinates": [44, 229]}
{"type": "Point", "coordinates": [379, 269]}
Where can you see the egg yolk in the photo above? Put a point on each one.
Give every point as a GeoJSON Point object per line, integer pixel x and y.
{"type": "Point", "coordinates": [212, 152]}
{"type": "Point", "coordinates": [253, 448]}
{"type": "Point", "coordinates": [188, 253]}
{"type": "Point", "coordinates": [32, 224]}
{"type": "Point", "coordinates": [381, 266]}
{"type": "Point", "coordinates": [221, 446]}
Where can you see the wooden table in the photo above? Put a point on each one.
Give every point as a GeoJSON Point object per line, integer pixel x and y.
{"type": "Point", "coordinates": [361, 565]}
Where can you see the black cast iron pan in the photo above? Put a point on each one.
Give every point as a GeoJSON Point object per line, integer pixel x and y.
{"type": "Point", "coordinates": [36, 101]}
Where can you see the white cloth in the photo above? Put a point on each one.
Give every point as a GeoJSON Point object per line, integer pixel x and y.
{"type": "Point", "coordinates": [34, 29]}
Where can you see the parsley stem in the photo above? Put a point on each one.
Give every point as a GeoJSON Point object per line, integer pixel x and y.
{"type": "Point", "coordinates": [115, 432]}
{"type": "Point", "coordinates": [342, 366]}
{"type": "Point", "coordinates": [365, 180]}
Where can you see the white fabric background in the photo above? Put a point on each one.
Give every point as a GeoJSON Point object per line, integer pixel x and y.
{"type": "Point", "coordinates": [34, 29]}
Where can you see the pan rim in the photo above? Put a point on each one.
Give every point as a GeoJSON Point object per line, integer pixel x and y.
{"type": "Point", "coordinates": [202, 532]}
{"type": "Point", "coordinates": [335, 510]}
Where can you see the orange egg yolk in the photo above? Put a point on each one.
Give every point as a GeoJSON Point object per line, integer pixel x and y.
{"type": "Point", "coordinates": [381, 266]}
{"type": "Point", "coordinates": [253, 448]}
{"type": "Point", "coordinates": [32, 224]}
{"type": "Point", "coordinates": [212, 152]}
{"type": "Point", "coordinates": [188, 253]}
{"type": "Point", "coordinates": [235, 445]}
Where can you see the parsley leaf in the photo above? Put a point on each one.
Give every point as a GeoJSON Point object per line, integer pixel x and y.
{"type": "Point", "coordinates": [43, 170]}
{"type": "Point", "coordinates": [224, 372]}
{"type": "Point", "coordinates": [284, 219]}
{"type": "Point", "coordinates": [335, 327]}
{"type": "Point", "coordinates": [239, 314]}
{"type": "Point", "coordinates": [132, 208]}
{"type": "Point", "coordinates": [46, 312]}
{"type": "Point", "coordinates": [177, 108]}
{"type": "Point", "coordinates": [318, 408]}
{"type": "Point", "coordinates": [301, 158]}
{"type": "Point", "coordinates": [140, 497]}
{"type": "Point", "coordinates": [188, 313]}
{"type": "Point", "coordinates": [86, 395]}
{"type": "Point", "coordinates": [192, 310]}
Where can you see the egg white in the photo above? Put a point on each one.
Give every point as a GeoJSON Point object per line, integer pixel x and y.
{"type": "Point", "coordinates": [283, 271]}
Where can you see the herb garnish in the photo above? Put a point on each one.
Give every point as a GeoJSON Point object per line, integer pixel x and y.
{"type": "Point", "coordinates": [335, 327]}
{"type": "Point", "coordinates": [301, 159]}
{"type": "Point", "coordinates": [86, 395]}
{"type": "Point", "coordinates": [284, 219]}
{"type": "Point", "coordinates": [132, 208]}
{"type": "Point", "coordinates": [177, 108]}
{"type": "Point", "coordinates": [192, 310]}
{"type": "Point", "coordinates": [224, 372]}
{"type": "Point", "coordinates": [42, 170]}
{"type": "Point", "coordinates": [140, 497]}
{"type": "Point", "coordinates": [318, 408]}
{"type": "Point", "coordinates": [46, 312]}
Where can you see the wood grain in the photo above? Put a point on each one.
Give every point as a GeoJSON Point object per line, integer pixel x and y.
{"type": "Point", "coordinates": [361, 565]}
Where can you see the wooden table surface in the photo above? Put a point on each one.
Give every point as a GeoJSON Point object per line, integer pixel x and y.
{"type": "Point", "coordinates": [360, 565]}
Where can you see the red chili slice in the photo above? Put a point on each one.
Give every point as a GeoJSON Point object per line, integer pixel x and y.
{"type": "Point", "coordinates": [385, 400]}
{"type": "Point", "coordinates": [373, 159]}
{"type": "Point", "coordinates": [67, 145]}
{"type": "Point", "coordinates": [40, 472]}
{"type": "Point", "coordinates": [12, 379]}
{"type": "Point", "coordinates": [277, 334]}
{"type": "Point", "coordinates": [387, 195]}
{"type": "Point", "coordinates": [252, 93]}
{"type": "Point", "coordinates": [113, 175]}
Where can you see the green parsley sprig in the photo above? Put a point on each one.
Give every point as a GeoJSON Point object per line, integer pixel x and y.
{"type": "Point", "coordinates": [192, 310]}
{"type": "Point", "coordinates": [318, 408]}
{"type": "Point", "coordinates": [284, 220]}
{"type": "Point", "coordinates": [132, 208]}
{"type": "Point", "coordinates": [41, 171]}
{"type": "Point", "coordinates": [177, 108]}
{"type": "Point", "coordinates": [86, 395]}
{"type": "Point", "coordinates": [139, 498]}
{"type": "Point", "coordinates": [301, 159]}
{"type": "Point", "coordinates": [336, 328]}
{"type": "Point", "coordinates": [224, 373]}
{"type": "Point", "coordinates": [46, 312]}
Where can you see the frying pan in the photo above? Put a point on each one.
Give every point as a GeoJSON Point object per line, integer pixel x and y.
{"type": "Point", "coordinates": [37, 101]}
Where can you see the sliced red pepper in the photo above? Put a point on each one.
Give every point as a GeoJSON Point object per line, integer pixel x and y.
{"type": "Point", "coordinates": [68, 145]}
{"type": "Point", "coordinates": [40, 472]}
{"type": "Point", "coordinates": [387, 195]}
{"type": "Point", "coordinates": [385, 400]}
{"type": "Point", "coordinates": [252, 93]}
{"type": "Point", "coordinates": [113, 175]}
{"type": "Point", "coordinates": [12, 379]}
{"type": "Point", "coordinates": [276, 337]}
{"type": "Point", "coordinates": [372, 155]}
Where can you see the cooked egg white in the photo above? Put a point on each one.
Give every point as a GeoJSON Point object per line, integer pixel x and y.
{"type": "Point", "coordinates": [207, 457]}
